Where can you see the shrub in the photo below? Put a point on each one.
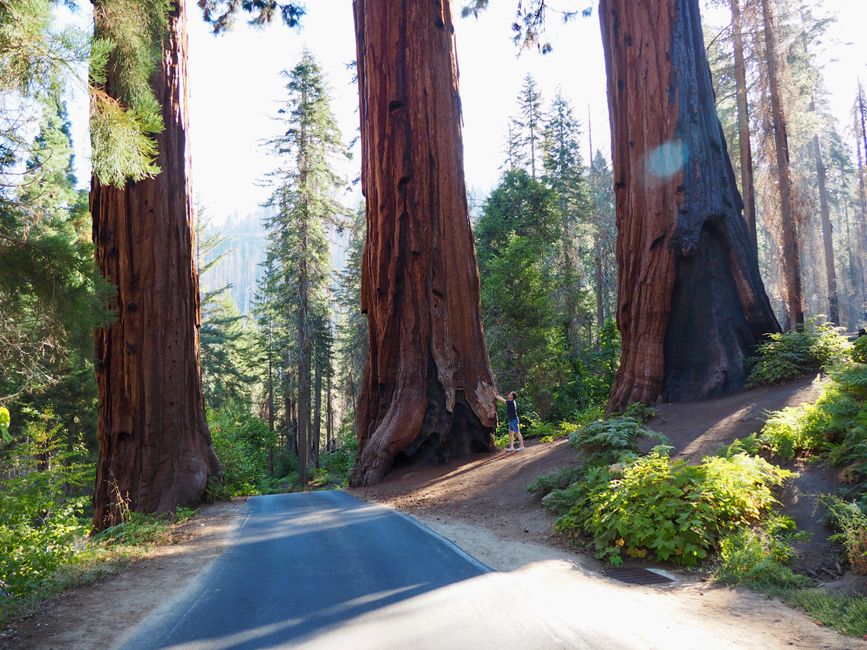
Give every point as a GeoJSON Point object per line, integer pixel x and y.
{"type": "Point", "coordinates": [748, 445]}
{"type": "Point", "coordinates": [793, 354]}
{"type": "Point", "coordinates": [241, 442]}
{"type": "Point", "coordinates": [859, 350]}
{"type": "Point", "coordinates": [851, 523]}
{"type": "Point", "coordinates": [42, 502]}
{"type": "Point", "coordinates": [794, 429]}
{"type": "Point", "coordinates": [756, 559]}
{"type": "Point", "coordinates": [669, 509]}
{"type": "Point", "coordinates": [606, 440]}
{"type": "Point", "coordinates": [555, 480]}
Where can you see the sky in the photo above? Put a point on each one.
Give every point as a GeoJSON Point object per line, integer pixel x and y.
{"type": "Point", "coordinates": [236, 87]}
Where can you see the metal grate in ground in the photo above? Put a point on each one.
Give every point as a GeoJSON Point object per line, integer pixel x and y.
{"type": "Point", "coordinates": [637, 576]}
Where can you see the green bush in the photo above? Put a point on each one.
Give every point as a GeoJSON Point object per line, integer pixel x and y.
{"type": "Point", "coordinates": [816, 346]}
{"type": "Point", "coordinates": [605, 441]}
{"type": "Point", "coordinates": [748, 445]}
{"type": "Point", "coordinates": [793, 430]}
{"type": "Point", "coordinates": [850, 521]}
{"type": "Point", "coordinates": [668, 509]}
{"type": "Point", "coordinates": [555, 480]}
{"type": "Point", "coordinates": [859, 350]}
{"type": "Point", "coordinates": [757, 560]}
{"type": "Point", "coordinates": [241, 442]}
{"type": "Point", "coordinates": [43, 492]}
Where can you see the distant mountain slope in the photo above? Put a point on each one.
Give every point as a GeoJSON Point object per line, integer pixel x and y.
{"type": "Point", "coordinates": [243, 250]}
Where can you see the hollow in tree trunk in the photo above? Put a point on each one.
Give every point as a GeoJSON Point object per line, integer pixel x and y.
{"type": "Point", "coordinates": [155, 449]}
{"type": "Point", "coordinates": [691, 304]}
{"type": "Point", "coordinates": [428, 392]}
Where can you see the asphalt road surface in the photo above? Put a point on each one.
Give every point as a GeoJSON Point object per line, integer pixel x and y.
{"type": "Point", "coordinates": [327, 570]}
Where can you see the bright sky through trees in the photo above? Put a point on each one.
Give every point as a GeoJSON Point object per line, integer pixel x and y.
{"type": "Point", "coordinates": [235, 84]}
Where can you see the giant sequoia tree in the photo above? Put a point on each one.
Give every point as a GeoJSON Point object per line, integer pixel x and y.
{"type": "Point", "coordinates": [691, 303]}
{"type": "Point", "coordinates": [154, 446]}
{"type": "Point", "coordinates": [428, 391]}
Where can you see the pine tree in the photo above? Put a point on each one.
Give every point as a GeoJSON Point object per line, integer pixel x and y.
{"type": "Point", "coordinates": [565, 175]}
{"type": "Point", "coordinates": [304, 196]}
{"type": "Point", "coordinates": [527, 128]}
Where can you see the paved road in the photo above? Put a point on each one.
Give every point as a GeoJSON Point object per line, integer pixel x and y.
{"type": "Point", "coordinates": [325, 569]}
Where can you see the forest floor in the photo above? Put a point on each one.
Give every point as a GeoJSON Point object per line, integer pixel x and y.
{"type": "Point", "coordinates": [480, 503]}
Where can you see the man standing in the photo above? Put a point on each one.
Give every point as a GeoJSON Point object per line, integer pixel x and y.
{"type": "Point", "coordinates": [514, 424]}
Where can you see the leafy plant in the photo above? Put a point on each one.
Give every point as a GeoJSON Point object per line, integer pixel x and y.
{"type": "Point", "coordinates": [668, 509]}
{"type": "Point", "coordinates": [851, 523]}
{"type": "Point", "coordinates": [815, 346]}
{"type": "Point", "coordinates": [556, 479]}
{"type": "Point", "coordinates": [605, 441]}
{"type": "Point", "coordinates": [792, 430]}
{"type": "Point", "coordinates": [859, 350]}
{"type": "Point", "coordinates": [758, 560]}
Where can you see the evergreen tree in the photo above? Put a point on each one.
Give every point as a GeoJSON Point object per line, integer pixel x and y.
{"type": "Point", "coordinates": [518, 228]}
{"type": "Point", "coordinates": [565, 175]}
{"type": "Point", "coordinates": [527, 128]}
{"type": "Point", "coordinates": [304, 196]}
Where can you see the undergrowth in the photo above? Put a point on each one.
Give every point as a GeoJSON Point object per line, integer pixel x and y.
{"type": "Point", "coordinates": [787, 355]}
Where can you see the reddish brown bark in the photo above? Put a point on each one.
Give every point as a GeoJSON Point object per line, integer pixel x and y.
{"type": "Point", "coordinates": [791, 257]}
{"type": "Point", "coordinates": [428, 389]}
{"type": "Point", "coordinates": [691, 304]}
{"type": "Point", "coordinates": [154, 444]}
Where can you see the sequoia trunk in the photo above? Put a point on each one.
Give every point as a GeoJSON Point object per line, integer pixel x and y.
{"type": "Point", "coordinates": [827, 234]}
{"type": "Point", "coordinates": [155, 450]}
{"type": "Point", "coordinates": [691, 304]}
{"type": "Point", "coordinates": [428, 391]}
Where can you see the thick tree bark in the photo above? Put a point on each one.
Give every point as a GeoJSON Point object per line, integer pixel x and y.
{"type": "Point", "coordinates": [827, 234]}
{"type": "Point", "coordinates": [791, 258]}
{"type": "Point", "coordinates": [747, 184]}
{"type": "Point", "coordinates": [691, 304]}
{"type": "Point", "coordinates": [428, 391]}
{"type": "Point", "coordinates": [861, 146]}
{"type": "Point", "coordinates": [154, 445]}
{"type": "Point", "coordinates": [316, 428]}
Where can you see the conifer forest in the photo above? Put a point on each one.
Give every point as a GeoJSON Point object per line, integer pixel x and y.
{"type": "Point", "coordinates": [389, 232]}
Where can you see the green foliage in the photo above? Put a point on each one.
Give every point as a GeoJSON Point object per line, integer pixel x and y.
{"type": "Point", "coordinates": [124, 57]}
{"type": "Point", "coordinates": [859, 350]}
{"type": "Point", "coordinates": [5, 420]}
{"type": "Point", "coordinates": [850, 520]}
{"type": "Point", "coordinates": [605, 441]}
{"type": "Point", "coordinates": [757, 560]}
{"type": "Point", "coordinates": [793, 430]}
{"type": "Point", "coordinates": [816, 346]}
{"type": "Point", "coordinates": [556, 479]}
{"type": "Point", "coordinates": [749, 445]}
{"type": "Point", "coordinates": [242, 443]}
{"type": "Point", "coordinates": [42, 497]}
{"type": "Point", "coordinates": [847, 614]}
{"type": "Point", "coordinates": [669, 509]}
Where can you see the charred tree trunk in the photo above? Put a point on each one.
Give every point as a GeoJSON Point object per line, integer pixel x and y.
{"type": "Point", "coordinates": [747, 184]}
{"type": "Point", "coordinates": [154, 445]}
{"type": "Point", "coordinates": [791, 258]}
{"type": "Point", "coordinates": [428, 391]}
{"type": "Point", "coordinates": [691, 304]}
{"type": "Point", "coordinates": [827, 234]}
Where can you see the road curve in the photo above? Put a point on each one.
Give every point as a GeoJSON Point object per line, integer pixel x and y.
{"type": "Point", "coordinates": [325, 569]}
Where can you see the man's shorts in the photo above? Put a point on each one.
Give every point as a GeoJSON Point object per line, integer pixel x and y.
{"type": "Point", "coordinates": [513, 425]}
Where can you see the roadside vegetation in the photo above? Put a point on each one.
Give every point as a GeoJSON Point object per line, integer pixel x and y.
{"type": "Point", "coordinates": [723, 512]}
